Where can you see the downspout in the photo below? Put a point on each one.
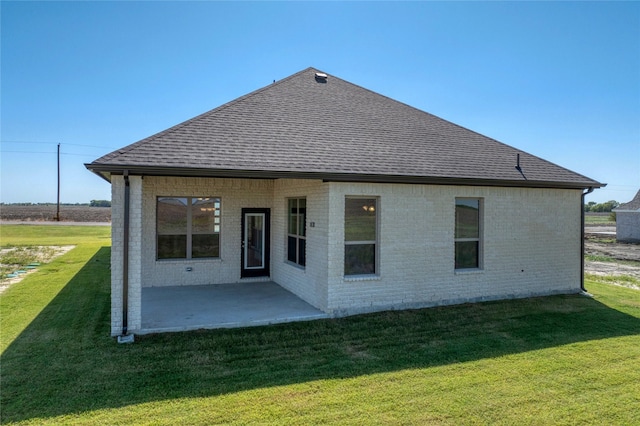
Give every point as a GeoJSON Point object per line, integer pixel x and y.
{"type": "Point", "coordinates": [589, 191]}
{"type": "Point", "coordinates": [125, 254]}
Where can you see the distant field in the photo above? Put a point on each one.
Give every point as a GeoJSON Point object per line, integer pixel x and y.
{"type": "Point", "coordinates": [48, 213]}
{"type": "Point", "coordinates": [598, 219]}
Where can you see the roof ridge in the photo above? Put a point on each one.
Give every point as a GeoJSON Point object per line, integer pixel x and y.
{"type": "Point", "coordinates": [182, 124]}
{"type": "Point", "coordinates": [633, 204]}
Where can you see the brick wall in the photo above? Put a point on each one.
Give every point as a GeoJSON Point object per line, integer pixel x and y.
{"type": "Point", "coordinates": [628, 226]}
{"type": "Point", "coordinates": [531, 246]}
{"type": "Point", "coordinates": [134, 277]}
{"type": "Point", "coordinates": [117, 223]}
{"type": "Point", "coordinates": [235, 194]}
{"type": "Point", "coordinates": [531, 243]}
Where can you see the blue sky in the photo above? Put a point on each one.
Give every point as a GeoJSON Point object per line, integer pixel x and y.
{"type": "Point", "coordinates": [560, 80]}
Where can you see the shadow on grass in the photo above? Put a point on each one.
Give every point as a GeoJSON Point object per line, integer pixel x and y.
{"type": "Point", "coordinates": [65, 362]}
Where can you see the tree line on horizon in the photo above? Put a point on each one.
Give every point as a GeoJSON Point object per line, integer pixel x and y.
{"type": "Point", "coordinates": [593, 207]}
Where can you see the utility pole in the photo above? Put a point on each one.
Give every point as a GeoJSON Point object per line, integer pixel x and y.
{"type": "Point", "coordinates": [58, 209]}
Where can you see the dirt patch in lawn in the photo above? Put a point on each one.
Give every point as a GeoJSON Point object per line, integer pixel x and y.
{"type": "Point", "coordinates": [602, 246]}
{"type": "Point", "coordinates": [607, 257]}
{"type": "Point", "coordinates": [14, 259]}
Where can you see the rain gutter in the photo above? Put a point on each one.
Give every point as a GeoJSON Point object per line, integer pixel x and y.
{"type": "Point", "coordinates": [104, 170]}
{"type": "Point", "coordinates": [584, 194]}
{"type": "Point", "coordinates": [124, 338]}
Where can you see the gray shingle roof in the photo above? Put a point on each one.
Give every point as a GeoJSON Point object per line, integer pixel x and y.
{"type": "Point", "coordinates": [302, 126]}
{"type": "Point", "coordinates": [631, 206]}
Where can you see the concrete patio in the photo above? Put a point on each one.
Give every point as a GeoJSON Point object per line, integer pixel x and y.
{"type": "Point", "coordinates": [183, 308]}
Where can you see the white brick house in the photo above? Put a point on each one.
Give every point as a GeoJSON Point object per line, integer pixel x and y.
{"type": "Point", "coordinates": [350, 200]}
{"type": "Point", "coordinates": [628, 220]}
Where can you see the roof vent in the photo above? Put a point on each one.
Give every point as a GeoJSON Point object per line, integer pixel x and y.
{"type": "Point", "coordinates": [321, 77]}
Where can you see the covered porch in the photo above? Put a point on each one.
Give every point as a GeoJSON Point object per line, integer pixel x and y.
{"type": "Point", "coordinates": [183, 308]}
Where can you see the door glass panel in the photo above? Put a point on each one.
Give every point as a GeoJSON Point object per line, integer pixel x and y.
{"type": "Point", "coordinates": [254, 240]}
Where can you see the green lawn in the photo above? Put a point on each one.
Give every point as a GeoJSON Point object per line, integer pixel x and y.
{"type": "Point", "coordinates": [554, 360]}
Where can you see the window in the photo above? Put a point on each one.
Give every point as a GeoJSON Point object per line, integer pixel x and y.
{"type": "Point", "coordinates": [296, 234]}
{"type": "Point", "coordinates": [360, 236]}
{"type": "Point", "coordinates": [468, 233]}
{"type": "Point", "coordinates": [188, 228]}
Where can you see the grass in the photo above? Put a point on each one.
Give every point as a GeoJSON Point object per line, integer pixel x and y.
{"type": "Point", "coordinates": [610, 259]}
{"type": "Point", "coordinates": [621, 280]}
{"type": "Point", "coordinates": [597, 219]}
{"type": "Point", "coordinates": [54, 235]}
{"type": "Point", "coordinates": [599, 258]}
{"type": "Point", "coordinates": [29, 243]}
{"type": "Point", "coordinates": [554, 360]}
{"type": "Point", "coordinates": [603, 240]}
{"type": "Point", "coordinates": [22, 302]}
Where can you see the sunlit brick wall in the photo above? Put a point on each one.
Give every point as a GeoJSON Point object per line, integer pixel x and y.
{"type": "Point", "coordinates": [531, 246]}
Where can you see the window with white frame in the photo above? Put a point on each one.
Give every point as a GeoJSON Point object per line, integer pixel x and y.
{"type": "Point", "coordinates": [468, 233]}
{"type": "Point", "coordinates": [188, 227]}
{"type": "Point", "coordinates": [297, 231]}
{"type": "Point", "coordinates": [360, 235]}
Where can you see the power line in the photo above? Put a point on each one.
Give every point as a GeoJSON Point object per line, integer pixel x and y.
{"type": "Point", "coordinates": [90, 146]}
{"type": "Point", "coordinates": [47, 152]}
{"type": "Point", "coordinates": [79, 155]}
{"type": "Point", "coordinates": [29, 152]}
{"type": "Point", "coordinates": [27, 142]}
{"type": "Point", "coordinates": [63, 144]}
